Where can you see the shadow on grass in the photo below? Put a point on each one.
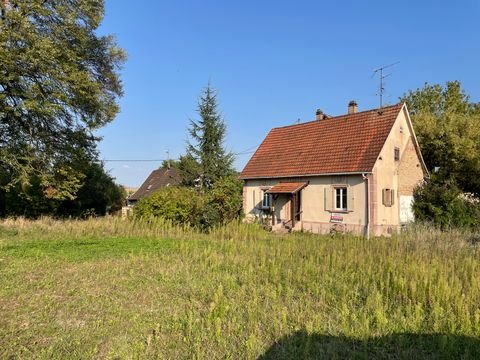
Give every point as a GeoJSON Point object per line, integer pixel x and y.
{"type": "Point", "coordinates": [396, 346]}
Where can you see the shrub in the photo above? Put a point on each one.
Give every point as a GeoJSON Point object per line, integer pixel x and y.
{"type": "Point", "coordinates": [202, 209]}
{"type": "Point", "coordinates": [441, 202]}
{"type": "Point", "coordinates": [223, 203]}
{"type": "Point", "coordinates": [180, 205]}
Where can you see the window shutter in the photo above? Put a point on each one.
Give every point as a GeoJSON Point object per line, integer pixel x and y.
{"type": "Point", "coordinates": [350, 199]}
{"type": "Point", "coordinates": [392, 201]}
{"type": "Point", "coordinates": [327, 199]}
{"type": "Point", "coordinates": [387, 197]}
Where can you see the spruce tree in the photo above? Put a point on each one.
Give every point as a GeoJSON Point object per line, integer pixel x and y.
{"type": "Point", "coordinates": [208, 135]}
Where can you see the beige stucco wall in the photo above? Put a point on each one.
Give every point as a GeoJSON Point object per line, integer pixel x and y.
{"type": "Point", "coordinates": [402, 176]}
{"type": "Point", "coordinates": [315, 217]}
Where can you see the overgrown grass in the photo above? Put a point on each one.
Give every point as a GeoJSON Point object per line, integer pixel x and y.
{"type": "Point", "coordinates": [107, 288]}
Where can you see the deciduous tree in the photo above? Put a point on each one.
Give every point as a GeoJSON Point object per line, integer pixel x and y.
{"type": "Point", "coordinates": [59, 82]}
{"type": "Point", "coordinates": [447, 125]}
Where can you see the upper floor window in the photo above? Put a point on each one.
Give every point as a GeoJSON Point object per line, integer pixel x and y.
{"type": "Point", "coordinates": [341, 198]}
{"type": "Point", "coordinates": [396, 154]}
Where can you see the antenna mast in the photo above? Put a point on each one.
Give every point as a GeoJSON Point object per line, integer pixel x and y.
{"type": "Point", "coordinates": [380, 70]}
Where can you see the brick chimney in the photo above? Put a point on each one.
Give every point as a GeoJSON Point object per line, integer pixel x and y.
{"type": "Point", "coordinates": [319, 115]}
{"type": "Point", "coordinates": [352, 107]}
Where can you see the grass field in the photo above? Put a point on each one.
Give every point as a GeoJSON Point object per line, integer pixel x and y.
{"type": "Point", "coordinates": [108, 288]}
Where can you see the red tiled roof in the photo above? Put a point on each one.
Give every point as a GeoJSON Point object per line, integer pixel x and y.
{"type": "Point", "coordinates": [287, 187]}
{"type": "Point", "coordinates": [341, 144]}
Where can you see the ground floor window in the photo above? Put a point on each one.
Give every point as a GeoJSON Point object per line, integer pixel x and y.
{"type": "Point", "coordinates": [341, 198]}
{"type": "Point", "coordinates": [267, 200]}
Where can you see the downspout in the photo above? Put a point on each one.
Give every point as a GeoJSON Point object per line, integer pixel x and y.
{"type": "Point", "coordinates": [367, 215]}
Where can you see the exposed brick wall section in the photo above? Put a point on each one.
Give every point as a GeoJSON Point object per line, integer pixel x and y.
{"type": "Point", "coordinates": [410, 171]}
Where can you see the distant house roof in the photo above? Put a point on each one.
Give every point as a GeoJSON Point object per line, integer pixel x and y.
{"type": "Point", "coordinates": [340, 144]}
{"type": "Point", "coordinates": [156, 180]}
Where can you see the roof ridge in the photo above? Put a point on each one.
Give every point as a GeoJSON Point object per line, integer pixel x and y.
{"type": "Point", "coordinates": [340, 116]}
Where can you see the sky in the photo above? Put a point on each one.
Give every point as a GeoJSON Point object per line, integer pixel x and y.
{"type": "Point", "coordinates": [273, 63]}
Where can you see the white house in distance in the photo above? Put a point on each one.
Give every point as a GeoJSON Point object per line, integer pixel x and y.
{"type": "Point", "coordinates": [351, 173]}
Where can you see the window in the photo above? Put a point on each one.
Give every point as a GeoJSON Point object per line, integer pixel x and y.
{"type": "Point", "coordinates": [341, 198]}
{"type": "Point", "coordinates": [267, 200]}
{"type": "Point", "coordinates": [388, 197]}
{"type": "Point", "coordinates": [397, 154]}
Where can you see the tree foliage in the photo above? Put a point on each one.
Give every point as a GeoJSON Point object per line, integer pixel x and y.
{"type": "Point", "coordinates": [201, 209]}
{"type": "Point", "coordinates": [58, 83]}
{"type": "Point", "coordinates": [97, 195]}
{"type": "Point", "coordinates": [447, 125]}
{"type": "Point", "coordinates": [181, 205]}
{"type": "Point", "coordinates": [441, 202]}
{"type": "Point", "coordinates": [208, 135]}
{"type": "Point", "coordinates": [223, 202]}
{"type": "Point", "coordinates": [211, 194]}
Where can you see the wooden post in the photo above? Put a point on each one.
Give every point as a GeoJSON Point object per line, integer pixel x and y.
{"type": "Point", "coordinates": [292, 212]}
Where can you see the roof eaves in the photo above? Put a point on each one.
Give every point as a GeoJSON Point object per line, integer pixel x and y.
{"type": "Point", "coordinates": [305, 175]}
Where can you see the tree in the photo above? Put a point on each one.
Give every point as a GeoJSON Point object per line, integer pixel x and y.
{"type": "Point", "coordinates": [223, 202]}
{"type": "Point", "coordinates": [441, 202]}
{"type": "Point", "coordinates": [97, 195]}
{"type": "Point", "coordinates": [447, 125]}
{"type": "Point", "coordinates": [58, 83]}
{"type": "Point", "coordinates": [208, 135]}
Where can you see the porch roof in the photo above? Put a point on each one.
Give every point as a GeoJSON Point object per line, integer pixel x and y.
{"type": "Point", "coordinates": [287, 188]}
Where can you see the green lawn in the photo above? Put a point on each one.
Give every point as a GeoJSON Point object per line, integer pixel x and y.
{"type": "Point", "coordinates": [112, 289]}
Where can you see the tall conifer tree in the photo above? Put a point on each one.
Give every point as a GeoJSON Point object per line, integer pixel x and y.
{"type": "Point", "coordinates": [208, 135]}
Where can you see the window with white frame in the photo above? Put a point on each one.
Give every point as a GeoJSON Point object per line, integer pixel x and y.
{"type": "Point", "coordinates": [267, 200]}
{"type": "Point", "coordinates": [341, 198]}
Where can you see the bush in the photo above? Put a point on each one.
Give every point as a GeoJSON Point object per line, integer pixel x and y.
{"type": "Point", "coordinates": [202, 209]}
{"type": "Point", "coordinates": [442, 203]}
{"type": "Point", "coordinates": [223, 203]}
{"type": "Point", "coordinates": [181, 205]}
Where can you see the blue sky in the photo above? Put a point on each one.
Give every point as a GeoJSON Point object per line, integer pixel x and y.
{"type": "Point", "coordinates": [272, 62]}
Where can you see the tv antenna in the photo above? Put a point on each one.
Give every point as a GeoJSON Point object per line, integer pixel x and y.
{"type": "Point", "coordinates": [168, 158]}
{"type": "Point", "coordinates": [382, 77]}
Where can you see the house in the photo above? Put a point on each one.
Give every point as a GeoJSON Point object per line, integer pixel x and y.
{"type": "Point", "coordinates": [155, 181]}
{"type": "Point", "coordinates": [351, 173]}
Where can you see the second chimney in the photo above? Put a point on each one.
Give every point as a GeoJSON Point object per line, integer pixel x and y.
{"type": "Point", "coordinates": [352, 107]}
